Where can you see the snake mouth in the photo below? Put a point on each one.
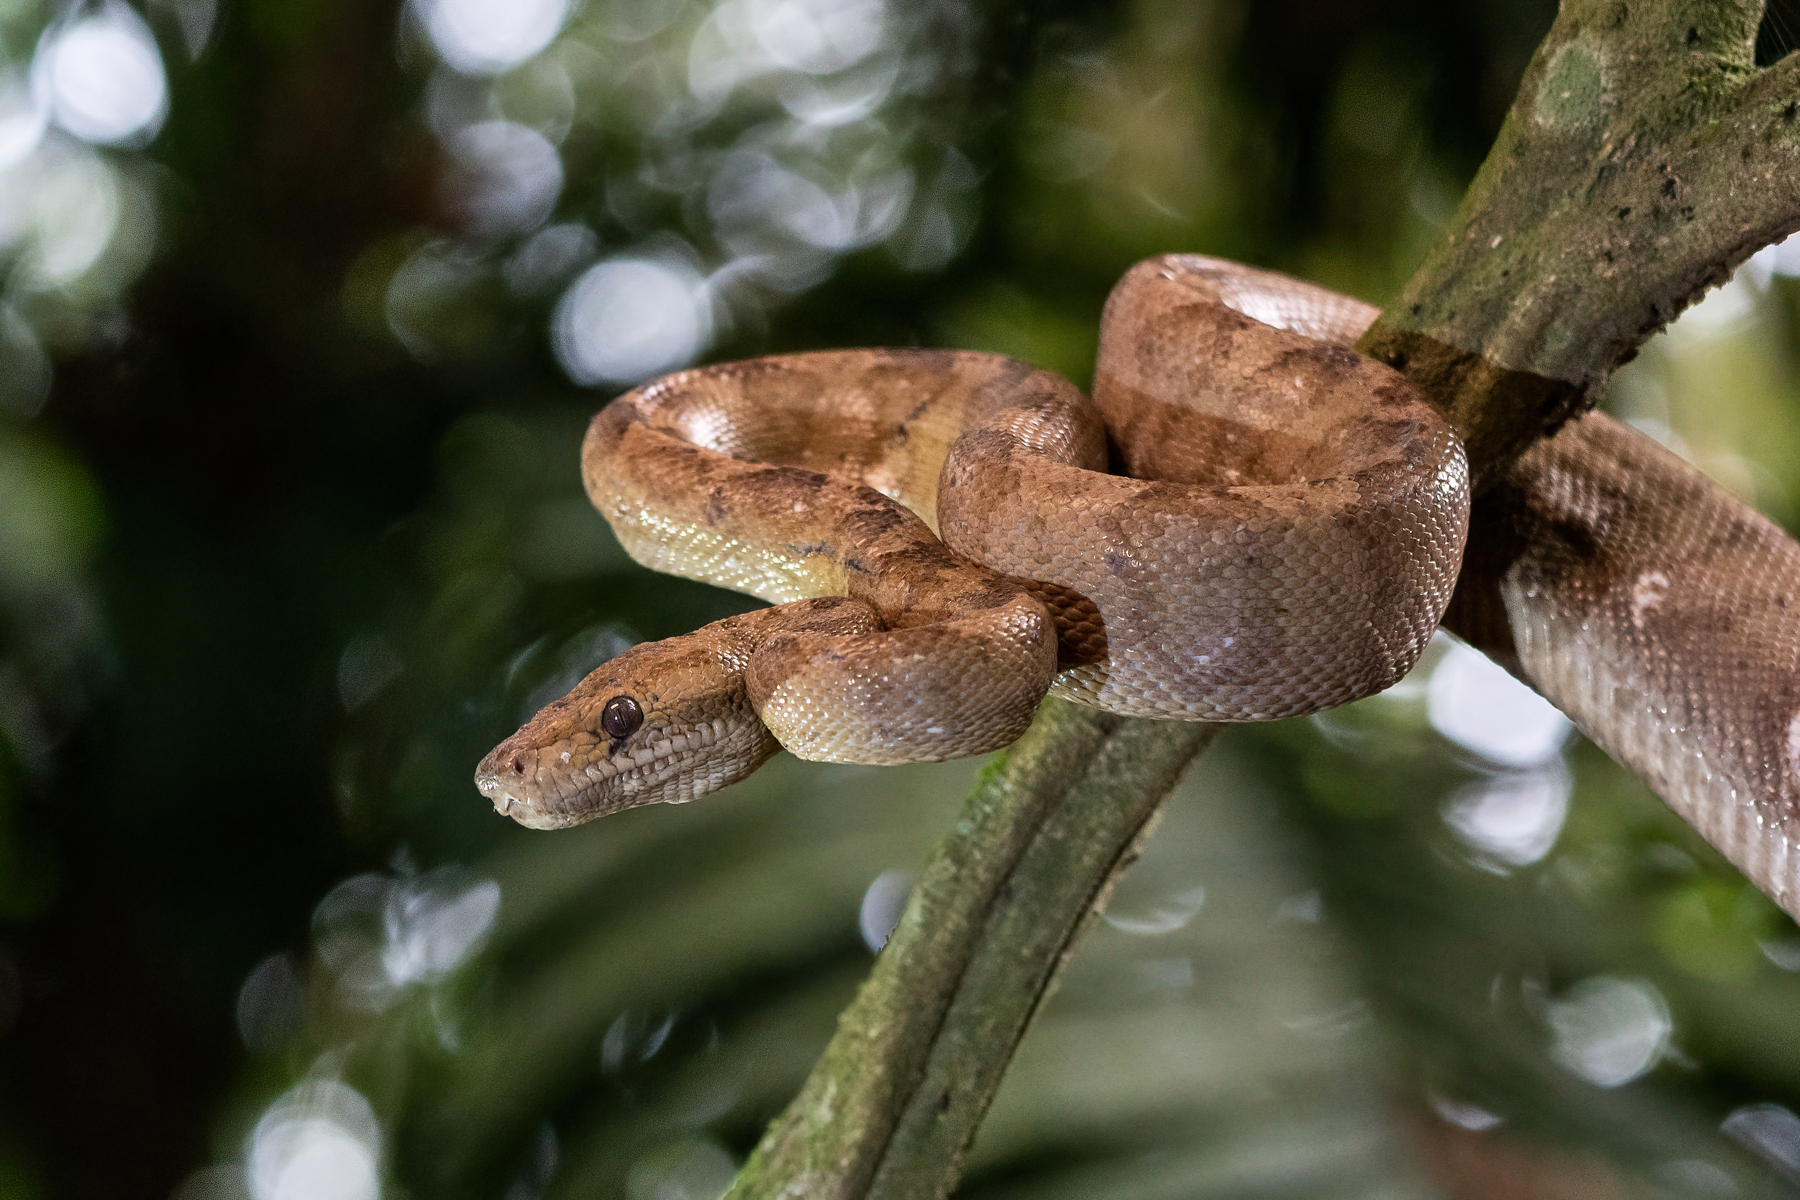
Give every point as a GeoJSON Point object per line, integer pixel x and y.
{"type": "Point", "coordinates": [489, 784]}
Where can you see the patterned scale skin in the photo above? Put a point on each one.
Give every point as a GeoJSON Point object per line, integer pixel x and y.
{"type": "Point", "coordinates": [930, 656]}
{"type": "Point", "coordinates": [1289, 543]}
{"type": "Point", "coordinates": [1294, 515]}
{"type": "Point", "coordinates": [1663, 616]}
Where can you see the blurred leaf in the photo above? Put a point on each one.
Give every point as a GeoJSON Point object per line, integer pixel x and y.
{"type": "Point", "coordinates": [50, 512]}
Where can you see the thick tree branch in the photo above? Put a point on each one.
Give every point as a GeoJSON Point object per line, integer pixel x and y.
{"type": "Point", "coordinates": [1644, 158]}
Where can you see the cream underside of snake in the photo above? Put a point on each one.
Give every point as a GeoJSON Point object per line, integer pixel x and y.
{"type": "Point", "coordinates": [1298, 547]}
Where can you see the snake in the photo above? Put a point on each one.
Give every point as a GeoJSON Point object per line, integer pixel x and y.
{"type": "Point", "coordinates": [1247, 521]}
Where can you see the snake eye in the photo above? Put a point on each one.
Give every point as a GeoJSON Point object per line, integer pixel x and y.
{"type": "Point", "coordinates": [621, 717]}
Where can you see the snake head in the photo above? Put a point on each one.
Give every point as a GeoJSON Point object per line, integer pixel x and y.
{"type": "Point", "coordinates": [662, 723]}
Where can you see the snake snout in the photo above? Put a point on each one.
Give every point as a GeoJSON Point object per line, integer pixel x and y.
{"type": "Point", "coordinates": [502, 778]}
{"type": "Point", "coordinates": [517, 779]}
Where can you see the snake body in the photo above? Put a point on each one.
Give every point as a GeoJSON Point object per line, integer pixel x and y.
{"type": "Point", "coordinates": [1250, 521]}
{"type": "Point", "coordinates": [1662, 614]}
{"type": "Point", "coordinates": [1283, 538]}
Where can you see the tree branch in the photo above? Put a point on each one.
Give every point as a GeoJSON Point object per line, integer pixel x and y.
{"type": "Point", "coordinates": [893, 1103]}
{"type": "Point", "coordinates": [1644, 158]}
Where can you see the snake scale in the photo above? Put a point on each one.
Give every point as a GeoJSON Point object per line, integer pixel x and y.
{"type": "Point", "coordinates": [1249, 521]}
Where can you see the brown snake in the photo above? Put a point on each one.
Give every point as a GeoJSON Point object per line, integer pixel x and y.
{"type": "Point", "coordinates": [1280, 534]}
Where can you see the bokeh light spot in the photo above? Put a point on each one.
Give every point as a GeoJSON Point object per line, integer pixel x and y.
{"type": "Point", "coordinates": [431, 928]}
{"type": "Point", "coordinates": [105, 78]}
{"type": "Point", "coordinates": [1610, 1031]}
{"type": "Point", "coordinates": [842, 99]}
{"type": "Point", "coordinates": [816, 36]}
{"type": "Point", "coordinates": [549, 258]}
{"type": "Point", "coordinates": [627, 319]}
{"type": "Point", "coordinates": [883, 904]}
{"type": "Point", "coordinates": [636, 20]}
{"type": "Point", "coordinates": [318, 1141]}
{"type": "Point", "coordinates": [1462, 1113]}
{"type": "Point", "coordinates": [71, 209]}
{"type": "Point", "coordinates": [507, 177]}
{"type": "Point", "coordinates": [1169, 914]}
{"type": "Point", "coordinates": [634, 1038]}
{"type": "Point", "coordinates": [1473, 701]}
{"type": "Point", "coordinates": [435, 302]}
{"type": "Point", "coordinates": [485, 37]}
{"type": "Point", "coordinates": [1770, 1130]}
{"type": "Point", "coordinates": [1513, 818]}
{"type": "Point", "coordinates": [23, 116]}
{"type": "Point", "coordinates": [378, 935]}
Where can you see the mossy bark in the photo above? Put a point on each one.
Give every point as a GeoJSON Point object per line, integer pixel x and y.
{"type": "Point", "coordinates": [1644, 158]}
